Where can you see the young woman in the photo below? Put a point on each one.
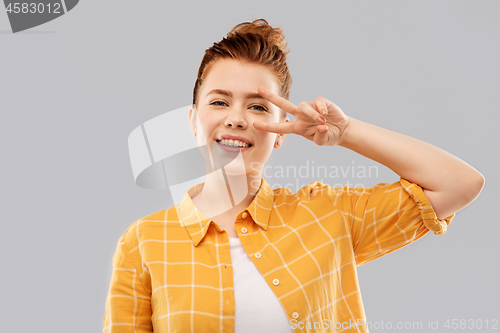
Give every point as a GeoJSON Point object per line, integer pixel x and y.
{"type": "Point", "coordinates": [238, 256]}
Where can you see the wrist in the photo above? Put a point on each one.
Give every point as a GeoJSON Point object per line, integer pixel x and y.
{"type": "Point", "coordinates": [344, 136]}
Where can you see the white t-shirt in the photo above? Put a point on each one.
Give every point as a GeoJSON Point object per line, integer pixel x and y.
{"type": "Point", "coordinates": [257, 309]}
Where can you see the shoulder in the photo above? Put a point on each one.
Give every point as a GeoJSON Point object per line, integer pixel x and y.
{"type": "Point", "coordinates": [316, 190]}
{"type": "Point", "coordinates": [345, 198]}
{"type": "Point", "coordinates": [319, 188]}
{"type": "Point", "coordinates": [148, 226]}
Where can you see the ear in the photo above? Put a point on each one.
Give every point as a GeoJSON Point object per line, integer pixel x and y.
{"type": "Point", "coordinates": [278, 141]}
{"type": "Point", "coordinates": [192, 119]}
{"type": "Point", "coordinates": [280, 137]}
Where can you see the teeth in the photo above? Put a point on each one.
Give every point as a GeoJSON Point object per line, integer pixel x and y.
{"type": "Point", "coordinates": [234, 143]}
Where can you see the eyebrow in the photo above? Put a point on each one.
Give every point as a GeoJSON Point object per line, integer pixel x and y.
{"type": "Point", "coordinates": [230, 94]}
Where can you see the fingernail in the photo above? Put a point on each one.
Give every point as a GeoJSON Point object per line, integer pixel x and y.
{"type": "Point", "coordinates": [321, 120]}
{"type": "Point", "coordinates": [325, 111]}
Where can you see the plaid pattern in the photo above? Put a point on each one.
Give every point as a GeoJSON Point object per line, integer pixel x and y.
{"type": "Point", "coordinates": [172, 270]}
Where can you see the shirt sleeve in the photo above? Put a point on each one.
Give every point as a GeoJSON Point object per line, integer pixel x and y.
{"type": "Point", "coordinates": [128, 305]}
{"type": "Point", "coordinates": [385, 217]}
{"type": "Point", "coordinates": [390, 216]}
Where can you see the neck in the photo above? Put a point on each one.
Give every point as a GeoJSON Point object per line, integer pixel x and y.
{"type": "Point", "coordinates": [227, 194]}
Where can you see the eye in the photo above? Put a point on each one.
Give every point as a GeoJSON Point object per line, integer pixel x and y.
{"type": "Point", "coordinates": [214, 103]}
{"type": "Point", "coordinates": [261, 107]}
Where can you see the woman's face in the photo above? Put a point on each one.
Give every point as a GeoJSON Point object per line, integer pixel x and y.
{"type": "Point", "coordinates": [228, 105]}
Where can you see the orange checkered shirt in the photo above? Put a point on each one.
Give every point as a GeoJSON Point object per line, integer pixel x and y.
{"type": "Point", "coordinates": [172, 270]}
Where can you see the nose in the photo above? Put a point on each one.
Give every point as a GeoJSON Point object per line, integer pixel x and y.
{"type": "Point", "coordinates": [236, 119]}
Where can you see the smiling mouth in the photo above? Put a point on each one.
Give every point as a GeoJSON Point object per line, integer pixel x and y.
{"type": "Point", "coordinates": [234, 143]}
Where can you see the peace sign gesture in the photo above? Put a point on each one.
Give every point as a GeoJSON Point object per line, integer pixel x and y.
{"type": "Point", "coordinates": [321, 121]}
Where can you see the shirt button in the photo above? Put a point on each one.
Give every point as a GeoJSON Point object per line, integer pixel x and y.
{"type": "Point", "coordinates": [244, 230]}
{"type": "Point", "coordinates": [295, 315]}
{"type": "Point", "coordinates": [276, 282]}
{"type": "Point", "coordinates": [244, 215]}
{"type": "Point", "coordinates": [257, 255]}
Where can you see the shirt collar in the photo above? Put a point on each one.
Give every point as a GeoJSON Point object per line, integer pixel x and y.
{"type": "Point", "coordinates": [197, 224]}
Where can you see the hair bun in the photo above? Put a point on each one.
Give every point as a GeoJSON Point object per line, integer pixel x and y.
{"type": "Point", "coordinates": [261, 27]}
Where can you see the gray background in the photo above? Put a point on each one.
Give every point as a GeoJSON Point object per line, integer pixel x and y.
{"type": "Point", "coordinates": [73, 89]}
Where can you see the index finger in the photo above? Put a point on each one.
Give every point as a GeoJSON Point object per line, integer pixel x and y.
{"type": "Point", "coordinates": [279, 101]}
{"type": "Point", "coordinates": [280, 128]}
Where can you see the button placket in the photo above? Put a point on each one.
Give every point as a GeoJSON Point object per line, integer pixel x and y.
{"type": "Point", "coordinates": [227, 270]}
